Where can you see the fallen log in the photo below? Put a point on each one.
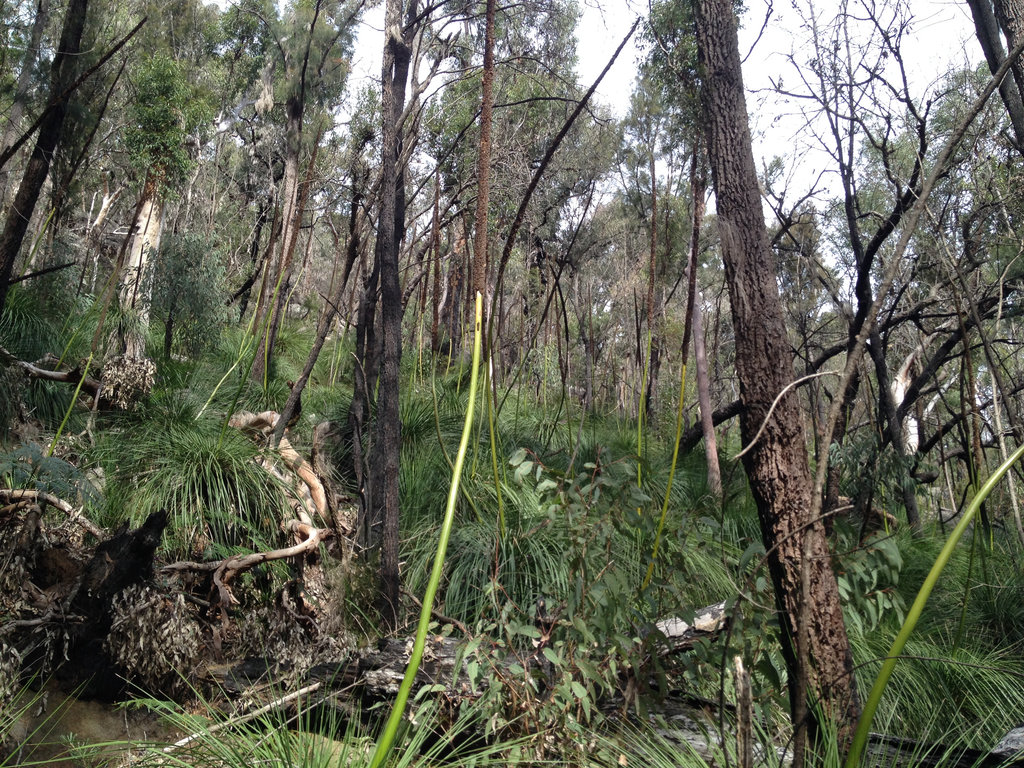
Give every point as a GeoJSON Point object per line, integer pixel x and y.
{"type": "Point", "coordinates": [377, 672]}
{"type": "Point", "coordinates": [45, 370]}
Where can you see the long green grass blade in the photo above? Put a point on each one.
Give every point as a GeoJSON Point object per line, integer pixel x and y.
{"type": "Point", "coordinates": [387, 738]}
{"type": "Point", "coordinates": [860, 736]}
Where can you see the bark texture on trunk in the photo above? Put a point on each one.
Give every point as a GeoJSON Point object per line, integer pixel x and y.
{"type": "Point", "coordinates": [23, 89]}
{"type": "Point", "coordinates": [483, 167]}
{"type": "Point", "coordinates": [47, 140]}
{"type": "Point", "coordinates": [799, 561]}
{"type": "Point", "coordinates": [1010, 14]}
{"type": "Point", "coordinates": [987, 31]}
{"type": "Point", "coordinates": [384, 458]}
{"type": "Point", "coordinates": [276, 283]}
{"type": "Point", "coordinates": [135, 289]}
{"type": "Point", "coordinates": [698, 186]}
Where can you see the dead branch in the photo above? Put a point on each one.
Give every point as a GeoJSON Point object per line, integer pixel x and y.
{"type": "Point", "coordinates": [37, 370]}
{"type": "Point", "coordinates": [304, 471]}
{"type": "Point", "coordinates": [226, 569]}
{"type": "Point", "coordinates": [244, 718]}
{"type": "Point", "coordinates": [263, 423]}
{"type": "Point", "coordinates": [25, 496]}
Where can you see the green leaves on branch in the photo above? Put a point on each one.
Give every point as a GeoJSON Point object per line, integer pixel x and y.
{"type": "Point", "coordinates": [166, 110]}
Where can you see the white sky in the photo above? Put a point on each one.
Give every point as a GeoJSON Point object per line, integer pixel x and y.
{"type": "Point", "coordinates": [941, 37]}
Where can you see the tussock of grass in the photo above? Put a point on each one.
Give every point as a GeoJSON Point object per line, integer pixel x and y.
{"type": "Point", "coordinates": [317, 734]}
{"type": "Point", "coordinates": [211, 483]}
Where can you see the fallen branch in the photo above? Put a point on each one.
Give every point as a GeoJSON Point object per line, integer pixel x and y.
{"type": "Point", "coordinates": [243, 718]}
{"type": "Point", "coordinates": [438, 615]}
{"type": "Point", "coordinates": [36, 371]}
{"type": "Point", "coordinates": [374, 673]}
{"type": "Point", "coordinates": [51, 616]}
{"type": "Point", "coordinates": [30, 496]}
{"type": "Point", "coordinates": [224, 570]}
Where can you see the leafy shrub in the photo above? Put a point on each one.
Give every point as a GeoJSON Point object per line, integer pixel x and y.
{"type": "Point", "coordinates": [867, 578]}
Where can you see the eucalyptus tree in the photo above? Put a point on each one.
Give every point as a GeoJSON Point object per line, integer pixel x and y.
{"type": "Point", "coordinates": [669, 76]}
{"type": "Point", "coordinates": [645, 149]}
{"type": "Point", "coordinates": [994, 21]}
{"type": "Point", "coordinates": [379, 513]}
{"type": "Point", "coordinates": [534, 91]}
{"type": "Point", "coordinates": [165, 113]}
{"type": "Point", "coordinates": [23, 85]}
{"type": "Point", "coordinates": [310, 44]}
{"type": "Point", "coordinates": [967, 274]}
{"type": "Point", "coordinates": [62, 71]}
{"type": "Point", "coordinates": [814, 642]}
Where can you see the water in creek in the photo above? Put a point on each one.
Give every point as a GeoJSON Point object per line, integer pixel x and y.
{"type": "Point", "coordinates": [50, 725]}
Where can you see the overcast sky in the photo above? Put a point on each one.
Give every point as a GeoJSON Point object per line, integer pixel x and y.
{"type": "Point", "coordinates": [941, 37]}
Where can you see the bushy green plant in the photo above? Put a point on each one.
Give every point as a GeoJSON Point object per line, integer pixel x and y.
{"type": "Point", "coordinates": [867, 579]}
{"type": "Point", "coordinates": [28, 466]}
{"type": "Point", "coordinates": [210, 480]}
{"type": "Point", "coordinates": [548, 664]}
{"type": "Point", "coordinates": [973, 694]}
{"type": "Point", "coordinates": [40, 319]}
{"type": "Point", "coordinates": [188, 292]}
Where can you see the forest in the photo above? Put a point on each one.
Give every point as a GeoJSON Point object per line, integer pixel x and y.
{"type": "Point", "coordinates": [452, 416]}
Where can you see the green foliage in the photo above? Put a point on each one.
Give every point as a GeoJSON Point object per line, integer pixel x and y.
{"type": "Point", "coordinates": [867, 579]}
{"type": "Point", "coordinates": [189, 291]}
{"type": "Point", "coordinates": [548, 664]}
{"type": "Point", "coordinates": [165, 111]}
{"type": "Point", "coordinates": [28, 466]}
{"type": "Point", "coordinates": [210, 480]}
{"type": "Point", "coordinates": [866, 465]}
{"type": "Point", "coordinates": [972, 693]}
{"type": "Point", "coordinates": [30, 329]}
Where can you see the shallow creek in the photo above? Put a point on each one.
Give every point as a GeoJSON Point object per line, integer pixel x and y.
{"type": "Point", "coordinates": [55, 727]}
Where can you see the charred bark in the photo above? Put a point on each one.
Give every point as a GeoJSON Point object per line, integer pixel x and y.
{"type": "Point", "coordinates": [46, 143]}
{"type": "Point", "coordinates": [815, 645]}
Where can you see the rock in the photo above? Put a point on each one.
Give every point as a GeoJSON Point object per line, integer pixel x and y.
{"type": "Point", "coordinates": [1012, 744]}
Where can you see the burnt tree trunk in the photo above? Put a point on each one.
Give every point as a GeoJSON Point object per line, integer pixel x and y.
{"type": "Point", "coordinates": [123, 560]}
{"type": "Point", "coordinates": [50, 129]}
{"type": "Point", "coordinates": [987, 30]}
{"type": "Point", "coordinates": [814, 639]}
{"type": "Point", "coordinates": [384, 458]}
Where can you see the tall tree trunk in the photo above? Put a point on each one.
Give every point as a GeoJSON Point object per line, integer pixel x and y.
{"type": "Point", "coordinates": [814, 639]}
{"type": "Point", "coordinates": [435, 237]}
{"type": "Point", "coordinates": [135, 288]}
{"type": "Point", "coordinates": [384, 459]}
{"type": "Point", "coordinates": [987, 31]}
{"type": "Point", "coordinates": [648, 370]}
{"type": "Point", "coordinates": [47, 140]}
{"type": "Point", "coordinates": [894, 429]}
{"type": "Point", "coordinates": [698, 184]}
{"type": "Point", "coordinates": [272, 297]}
{"type": "Point", "coordinates": [483, 166]}
{"type": "Point", "coordinates": [1010, 14]}
{"type": "Point", "coordinates": [22, 89]}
